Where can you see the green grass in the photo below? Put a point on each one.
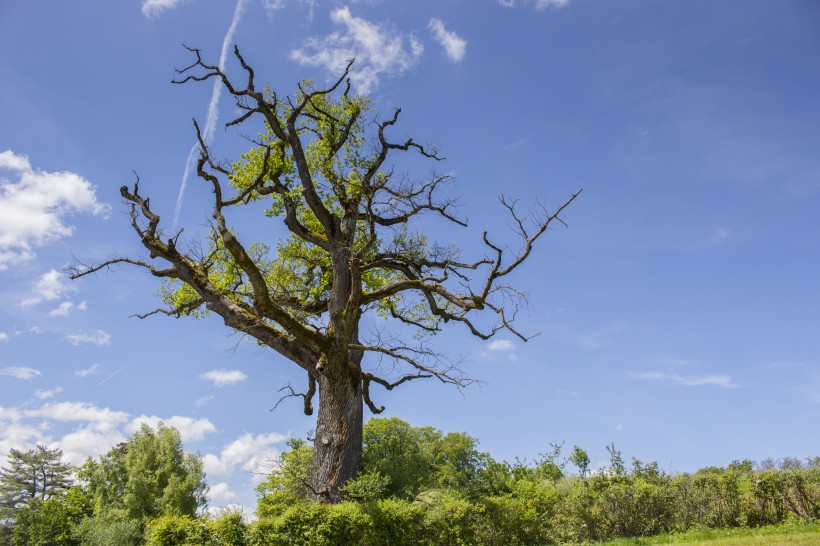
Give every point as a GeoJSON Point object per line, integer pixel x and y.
{"type": "Point", "coordinates": [775, 535]}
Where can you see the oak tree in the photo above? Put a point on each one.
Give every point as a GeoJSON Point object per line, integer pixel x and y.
{"type": "Point", "coordinates": [324, 166]}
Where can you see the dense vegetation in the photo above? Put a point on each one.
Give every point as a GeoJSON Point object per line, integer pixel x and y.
{"type": "Point", "coordinates": [416, 486]}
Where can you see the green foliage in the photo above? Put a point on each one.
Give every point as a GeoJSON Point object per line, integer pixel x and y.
{"type": "Point", "coordinates": [449, 493]}
{"type": "Point", "coordinates": [106, 530]}
{"type": "Point", "coordinates": [580, 459]}
{"type": "Point", "coordinates": [51, 522]}
{"type": "Point", "coordinates": [225, 529]}
{"type": "Point", "coordinates": [416, 458]}
{"type": "Point", "coordinates": [367, 487]}
{"type": "Point", "coordinates": [285, 486]}
{"type": "Point", "coordinates": [147, 476]}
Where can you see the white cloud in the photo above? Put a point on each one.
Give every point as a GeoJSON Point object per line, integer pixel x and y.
{"type": "Point", "coordinates": [4, 336]}
{"type": "Point", "coordinates": [453, 44]}
{"type": "Point", "coordinates": [13, 162]}
{"type": "Point", "coordinates": [64, 309]}
{"type": "Point", "coordinates": [221, 492]}
{"type": "Point", "coordinates": [501, 345]}
{"type": "Point", "coordinates": [88, 441]}
{"type": "Point", "coordinates": [248, 452]}
{"type": "Point", "coordinates": [33, 206]}
{"type": "Point", "coordinates": [97, 337]}
{"type": "Point", "coordinates": [539, 4]}
{"type": "Point", "coordinates": [93, 370]}
{"type": "Point", "coordinates": [546, 4]}
{"type": "Point", "coordinates": [101, 418]}
{"type": "Point", "coordinates": [378, 50]}
{"type": "Point", "coordinates": [20, 373]}
{"type": "Point", "coordinates": [50, 286]}
{"type": "Point", "coordinates": [150, 8]}
{"type": "Point", "coordinates": [45, 395]}
{"type": "Point", "coordinates": [693, 381]}
{"type": "Point", "coordinates": [220, 378]}
{"type": "Point", "coordinates": [17, 436]}
{"type": "Point", "coordinates": [191, 430]}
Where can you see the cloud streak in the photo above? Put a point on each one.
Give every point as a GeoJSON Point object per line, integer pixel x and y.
{"type": "Point", "coordinates": [723, 381]}
{"type": "Point", "coordinates": [213, 111]}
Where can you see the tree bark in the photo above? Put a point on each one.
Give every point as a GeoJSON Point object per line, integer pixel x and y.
{"type": "Point", "coordinates": [337, 450]}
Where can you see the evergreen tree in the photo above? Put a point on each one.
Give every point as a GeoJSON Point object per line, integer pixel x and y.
{"type": "Point", "coordinates": [38, 474]}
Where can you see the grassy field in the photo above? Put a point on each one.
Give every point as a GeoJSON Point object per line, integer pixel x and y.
{"type": "Point", "coordinates": [776, 535]}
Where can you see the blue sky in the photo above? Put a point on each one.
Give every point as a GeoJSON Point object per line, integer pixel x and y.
{"type": "Point", "coordinates": [678, 312]}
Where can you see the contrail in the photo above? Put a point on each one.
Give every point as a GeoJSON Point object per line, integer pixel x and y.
{"type": "Point", "coordinates": [213, 111]}
{"type": "Point", "coordinates": [115, 373]}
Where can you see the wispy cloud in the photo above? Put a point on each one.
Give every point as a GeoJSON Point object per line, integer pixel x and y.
{"type": "Point", "coordinates": [540, 5]}
{"type": "Point", "coordinates": [98, 337]}
{"type": "Point", "coordinates": [501, 345]}
{"type": "Point", "coordinates": [34, 204]}
{"type": "Point", "coordinates": [454, 46]}
{"type": "Point", "coordinates": [688, 381]}
{"type": "Point", "coordinates": [93, 370]}
{"type": "Point", "coordinates": [547, 4]}
{"type": "Point", "coordinates": [311, 7]}
{"type": "Point", "coordinates": [46, 394]}
{"type": "Point", "coordinates": [4, 336]}
{"type": "Point", "coordinates": [20, 373]}
{"type": "Point", "coordinates": [378, 49]}
{"type": "Point", "coordinates": [199, 402]}
{"type": "Point", "coordinates": [64, 309]}
{"type": "Point", "coordinates": [272, 6]}
{"type": "Point", "coordinates": [221, 378]}
{"type": "Point", "coordinates": [603, 336]}
{"type": "Point", "coordinates": [213, 111]}
{"type": "Point", "coordinates": [152, 8]}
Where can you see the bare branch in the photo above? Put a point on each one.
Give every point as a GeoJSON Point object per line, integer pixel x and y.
{"type": "Point", "coordinates": [307, 397]}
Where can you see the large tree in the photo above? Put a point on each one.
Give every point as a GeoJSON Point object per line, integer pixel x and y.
{"type": "Point", "coordinates": [323, 165]}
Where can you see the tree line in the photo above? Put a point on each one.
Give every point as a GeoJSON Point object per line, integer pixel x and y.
{"type": "Point", "coordinates": [416, 485]}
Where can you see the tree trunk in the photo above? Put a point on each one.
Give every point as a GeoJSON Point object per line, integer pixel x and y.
{"type": "Point", "coordinates": [337, 450]}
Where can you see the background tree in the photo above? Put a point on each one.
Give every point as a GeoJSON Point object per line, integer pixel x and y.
{"type": "Point", "coordinates": [580, 459]}
{"type": "Point", "coordinates": [148, 476]}
{"type": "Point", "coordinates": [37, 474]}
{"type": "Point", "coordinates": [52, 522]}
{"type": "Point", "coordinates": [321, 166]}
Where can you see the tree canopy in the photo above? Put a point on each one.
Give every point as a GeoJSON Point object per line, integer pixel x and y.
{"type": "Point", "coordinates": [323, 165]}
